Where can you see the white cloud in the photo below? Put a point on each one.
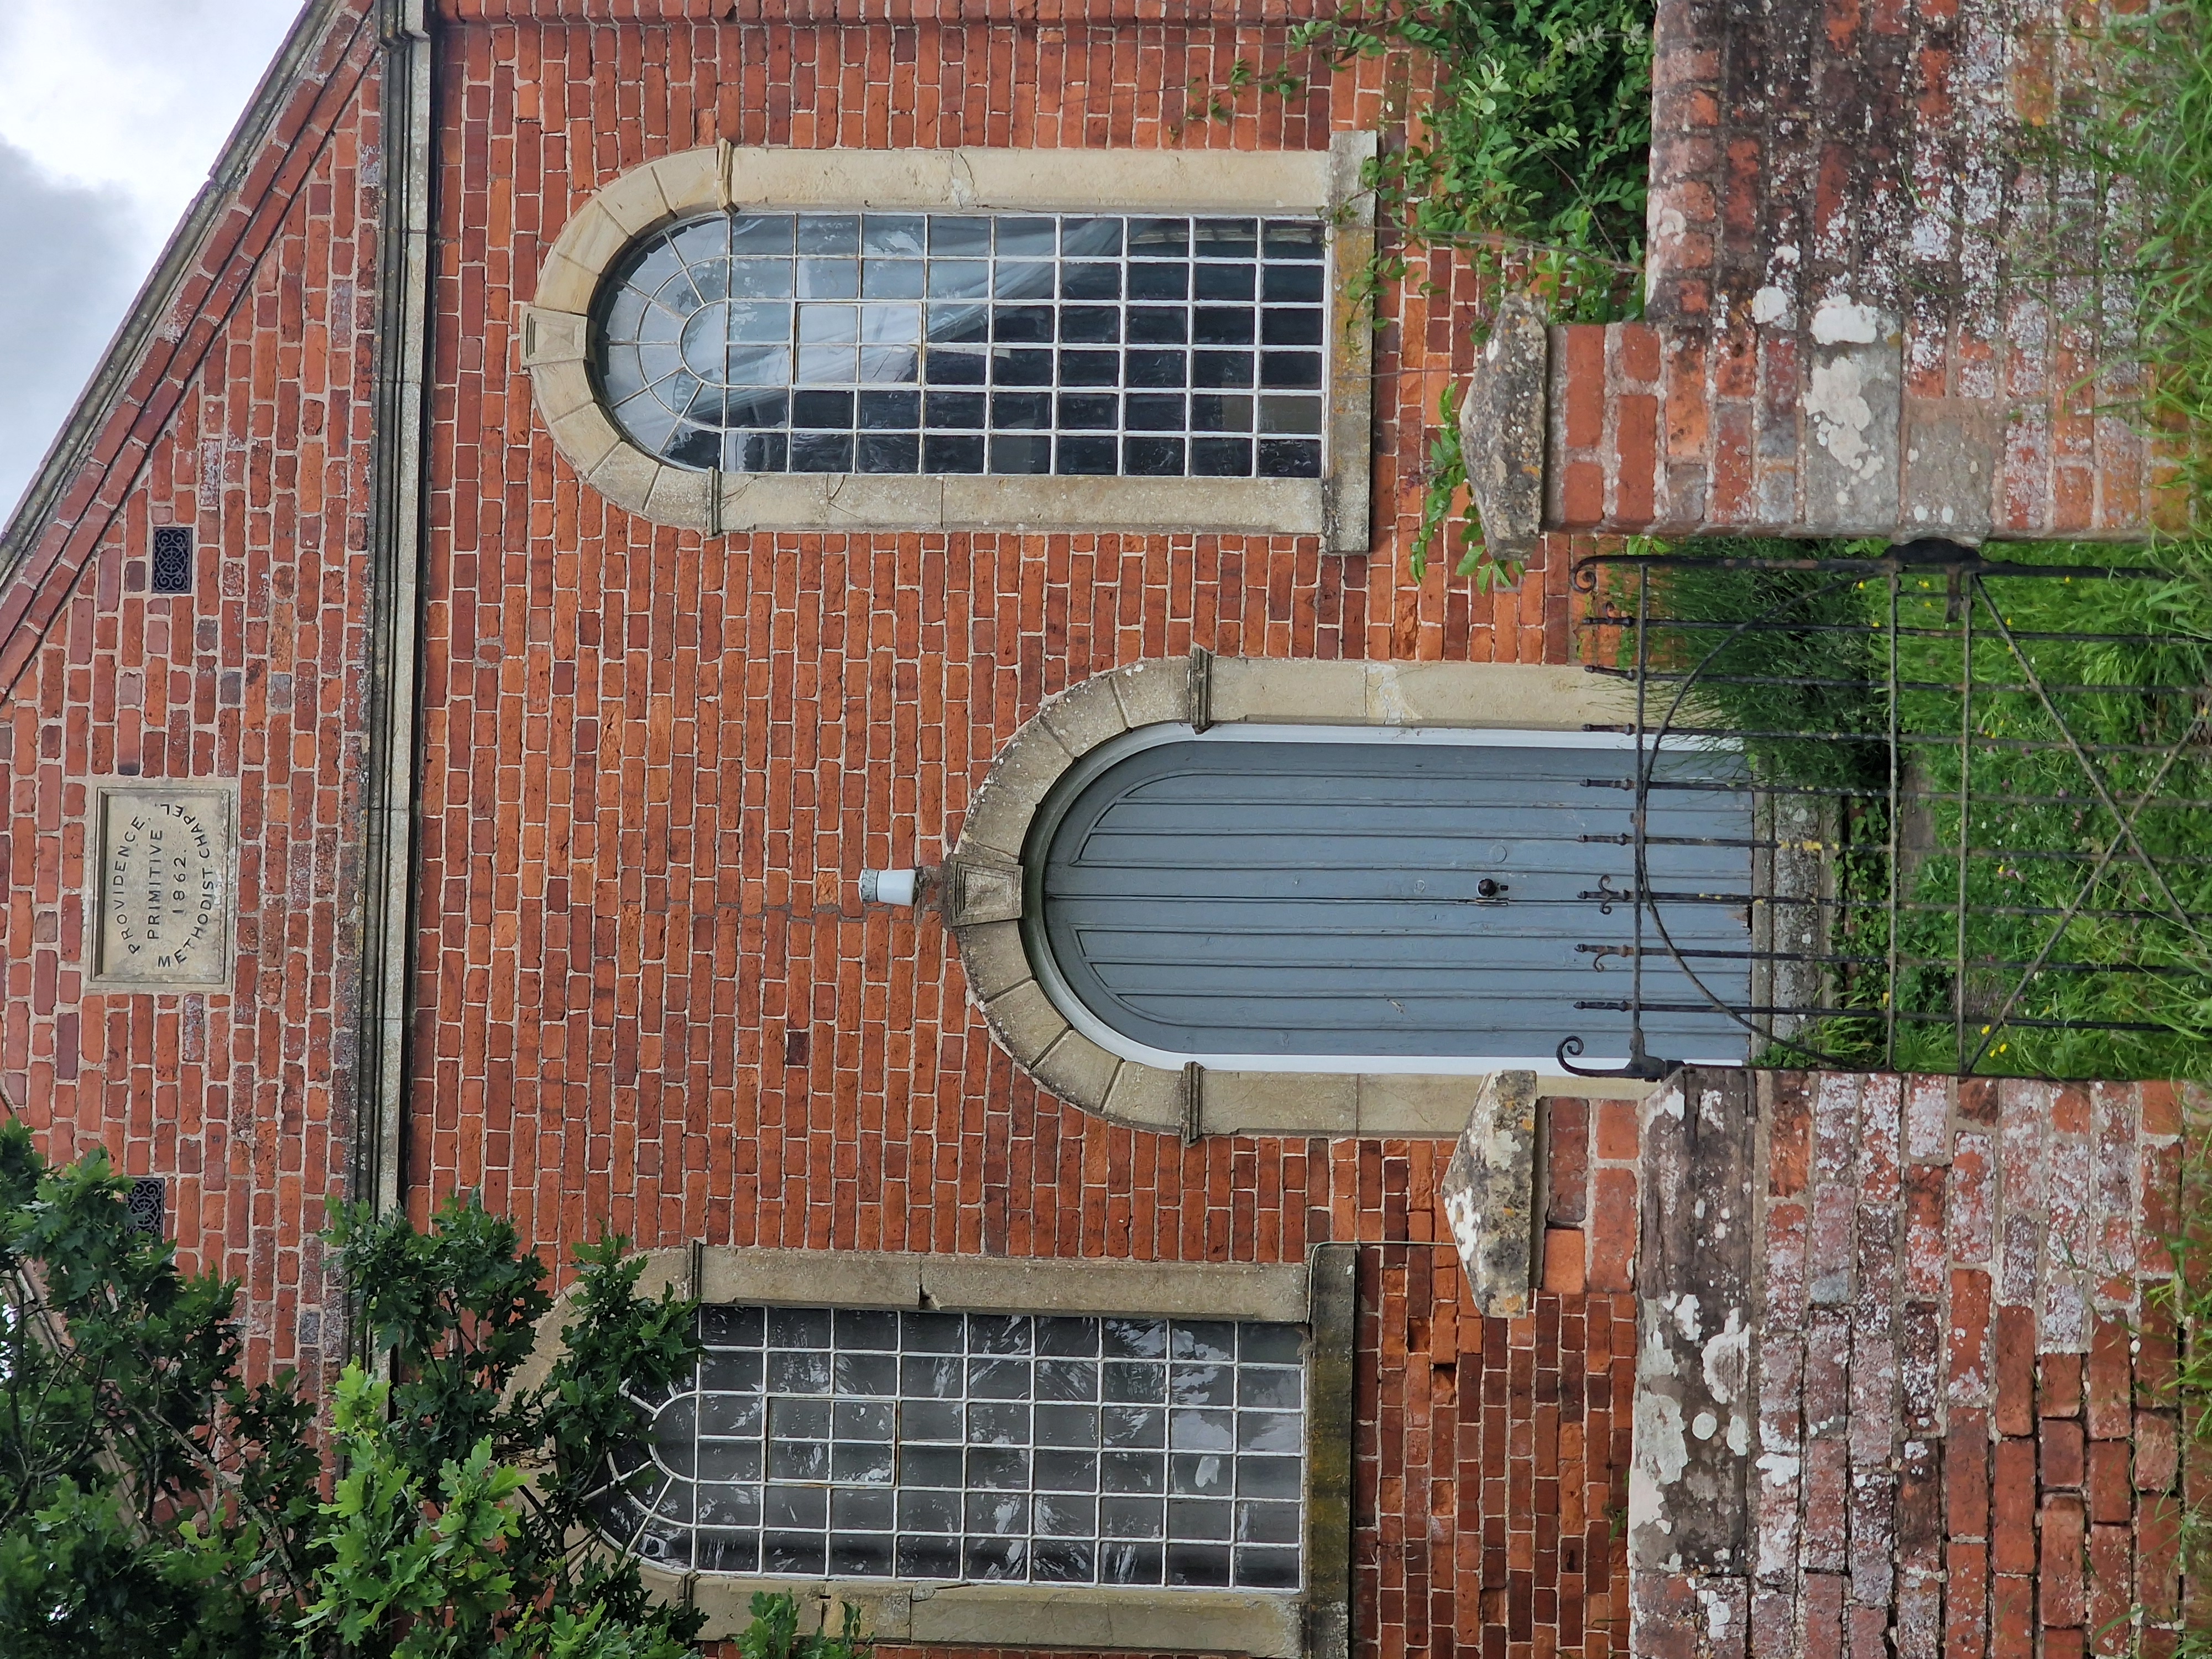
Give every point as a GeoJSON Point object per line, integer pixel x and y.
{"type": "Point", "coordinates": [112, 112]}
{"type": "Point", "coordinates": [62, 293]}
{"type": "Point", "coordinates": [137, 93]}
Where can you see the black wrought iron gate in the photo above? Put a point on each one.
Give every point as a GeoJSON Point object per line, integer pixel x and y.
{"type": "Point", "coordinates": [1983, 842]}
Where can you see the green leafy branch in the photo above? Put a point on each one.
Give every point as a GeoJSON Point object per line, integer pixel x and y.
{"type": "Point", "coordinates": [151, 1502]}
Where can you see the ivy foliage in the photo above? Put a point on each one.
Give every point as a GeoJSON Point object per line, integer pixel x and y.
{"type": "Point", "coordinates": [1526, 139]}
{"type": "Point", "coordinates": [153, 1502]}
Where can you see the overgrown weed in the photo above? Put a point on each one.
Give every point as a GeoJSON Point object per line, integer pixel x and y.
{"type": "Point", "coordinates": [1526, 149]}
{"type": "Point", "coordinates": [2050, 879]}
{"type": "Point", "coordinates": [2146, 128]}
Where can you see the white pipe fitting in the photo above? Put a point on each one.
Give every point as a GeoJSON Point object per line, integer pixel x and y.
{"type": "Point", "coordinates": [887, 886]}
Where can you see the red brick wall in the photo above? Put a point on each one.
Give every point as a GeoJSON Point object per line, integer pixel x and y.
{"type": "Point", "coordinates": [249, 423]}
{"type": "Point", "coordinates": [641, 751]}
{"type": "Point", "coordinates": [655, 765]}
{"type": "Point", "coordinates": [1493, 1453]}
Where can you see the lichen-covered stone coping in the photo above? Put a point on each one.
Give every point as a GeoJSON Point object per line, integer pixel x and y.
{"type": "Point", "coordinates": [555, 328]}
{"type": "Point", "coordinates": [1503, 426]}
{"type": "Point", "coordinates": [1905, 1366]}
{"type": "Point", "coordinates": [1488, 1195]}
{"type": "Point", "coordinates": [1027, 1024]}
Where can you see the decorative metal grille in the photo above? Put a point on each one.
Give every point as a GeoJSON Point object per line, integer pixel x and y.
{"type": "Point", "coordinates": [1974, 850]}
{"type": "Point", "coordinates": [946, 343]}
{"type": "Point", "coordinates": [148, 1203]}
{"type": "Point", "coordinates": [966, 1446]}
{"type": "Point", "coordinates": [173, 559]}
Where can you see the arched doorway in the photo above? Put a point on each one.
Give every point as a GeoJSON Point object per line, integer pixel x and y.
{"type": "Point", "coordinates": [1388, 899]}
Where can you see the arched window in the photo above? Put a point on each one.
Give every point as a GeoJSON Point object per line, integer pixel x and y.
{"type": "Point", "coordinates": [1183, 346]}
{"type": "Point", "coordinates": [1102, 1454]}
{"type": "Point", "coordinates": [730, 340]}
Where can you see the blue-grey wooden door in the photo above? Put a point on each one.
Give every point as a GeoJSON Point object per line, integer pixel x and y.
{"type": "Point", "coordinates": [1408, 899]}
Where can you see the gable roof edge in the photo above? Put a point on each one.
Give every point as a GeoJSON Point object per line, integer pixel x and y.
{"type": "Point", "coordinates": [157, 296]}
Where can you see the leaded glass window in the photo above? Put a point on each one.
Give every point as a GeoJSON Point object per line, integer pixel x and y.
{"type": "Point", "coordinates": [964, 1446]}
{"type": "Point", "coordinates": [942, 343]}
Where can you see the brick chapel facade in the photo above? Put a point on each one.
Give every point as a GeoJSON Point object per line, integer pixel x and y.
{"type": "Point", "coordinates": [543, 764]}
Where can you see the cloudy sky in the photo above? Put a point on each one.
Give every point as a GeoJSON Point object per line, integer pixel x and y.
{"type": "Point", "coordinates": [111, 113]}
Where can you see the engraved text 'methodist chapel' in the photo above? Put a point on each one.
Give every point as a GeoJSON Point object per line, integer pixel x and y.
{"type": "Point", "coordinates": [164, 886]}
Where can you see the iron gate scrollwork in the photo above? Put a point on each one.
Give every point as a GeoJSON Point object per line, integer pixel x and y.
{"type": "Point", "coordinates": [1972, 850]}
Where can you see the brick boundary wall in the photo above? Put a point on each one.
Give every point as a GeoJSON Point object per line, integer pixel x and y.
{"type": "Point", "coordinates": [1866, 311]}
{"type": "Point", "coordinates": [1966, 1440]}
{"type": "Point", "coordinates": [1675, 431]}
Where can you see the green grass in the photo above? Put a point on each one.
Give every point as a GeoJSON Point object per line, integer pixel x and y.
{"type": "Point", "coordinates": [2153, 133]}
{"type": "Point", "coordinates": [2144, 133]}
{"type": "Point", "coordinates": [2137, 951]}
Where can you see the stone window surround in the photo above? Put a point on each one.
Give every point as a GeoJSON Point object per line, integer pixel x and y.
{"type": "Point", "coordinates": [982, 894]}
{"type": "Point", "coordinates": [553, 331]}
{"type": "Point", "coordinates": [1320, 1293]}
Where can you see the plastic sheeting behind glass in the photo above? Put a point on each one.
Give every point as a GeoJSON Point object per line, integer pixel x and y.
{"type": "Point", "coordinates": [964, 343]}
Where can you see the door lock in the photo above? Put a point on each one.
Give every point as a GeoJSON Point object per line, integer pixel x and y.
{"type": "Point", "coordinates": [1489, 888]}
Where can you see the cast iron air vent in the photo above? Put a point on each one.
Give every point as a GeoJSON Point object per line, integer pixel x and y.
{"type": "Point", "coordinates": [148, 1202]}
{"type": "Point", "coordinates": [173, 559]}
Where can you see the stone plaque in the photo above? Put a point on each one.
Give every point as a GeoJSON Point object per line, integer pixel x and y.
{"type": "Point", "coordinates": [164, 894]}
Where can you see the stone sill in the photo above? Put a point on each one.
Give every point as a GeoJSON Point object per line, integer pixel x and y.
{"type": "Point", "coordinates": [1265, 1624]}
